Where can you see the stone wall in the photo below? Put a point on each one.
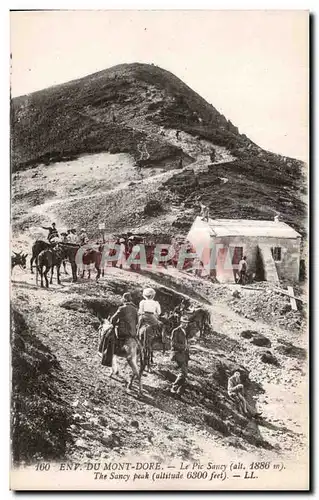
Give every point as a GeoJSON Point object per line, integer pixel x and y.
{"type": "Point", "coordinates": [287, 268]}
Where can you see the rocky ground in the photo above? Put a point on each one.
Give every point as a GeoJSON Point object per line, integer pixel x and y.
{"type": "Point", "coordinates": [72, 409]}
{"type": "Point", "coordinates": [103, 421]}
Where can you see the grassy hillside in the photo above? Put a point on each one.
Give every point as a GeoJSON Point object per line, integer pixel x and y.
{"type": "Point", "coordinates": [66, 120]}
{"type": "Point", "coordinates": [117, 109]}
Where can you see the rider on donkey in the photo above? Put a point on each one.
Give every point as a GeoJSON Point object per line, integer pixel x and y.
{"type": "Point", "coordinates": [150, 310]}
{"type": "Point", "coordinates": [53, 232]}
{"type": "Point", "coordinates": [125, 319]}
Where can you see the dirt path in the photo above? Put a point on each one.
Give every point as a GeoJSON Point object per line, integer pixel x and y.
{"type": "Point", "coordinates": [157, 424]}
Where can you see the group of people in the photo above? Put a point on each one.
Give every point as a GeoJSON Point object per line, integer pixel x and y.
{"type": "Point", "coordinates": [68, 236]}
{"type": "Point", "coordinates": [128, 320]}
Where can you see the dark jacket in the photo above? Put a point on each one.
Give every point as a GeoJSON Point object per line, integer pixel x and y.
{"type": "Point", "coordinates": [179, 340]}
{"type": "Point", "coordinates": [126, 319]}
{"type": "Point", "coordinates": [52, 231]}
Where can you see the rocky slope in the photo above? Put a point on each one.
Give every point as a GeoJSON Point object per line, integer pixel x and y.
{"type": "Point", "coordinates": [75, 153]}
{"type": "Point", "coordinates": [124, 107]}
{"type": "Point", "coordinates": [86, 415]}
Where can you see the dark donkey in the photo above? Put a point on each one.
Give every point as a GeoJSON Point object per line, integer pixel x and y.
{"type": "Point", "coordinates": [19, 259]}
{"type": "Point", "coordinates": [48, 259]}
{"type": "Point", "coordinates": [44, 263]}
{"type": "Point", "coordinates": [39, 246]}
{"type": "Point", "coordinates": [70, 251]}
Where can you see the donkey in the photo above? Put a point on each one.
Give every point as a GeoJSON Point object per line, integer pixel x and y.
{"type": "Point", "coordinates": [37, 247]}
{"type": "Point", "coordinates": [70, 253]}
{"type": "Point", "coordinates": [47, 260]}
{"type": "Point", "coordinates": [19, 259]}
{"type": "Point", "coordinates": [92, 256]}
{"type": "Point", "coordinates": [128, 348]}
{"type": "Point", "coordinates": [59, 256]}
{"type": "Point", "coordinates": [199, 320]}
{"type": "Point", "coordinates": [44, 263]}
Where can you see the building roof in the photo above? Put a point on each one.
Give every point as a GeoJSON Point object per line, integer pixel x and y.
{"type": "Point", "coordinates": [242, 227]}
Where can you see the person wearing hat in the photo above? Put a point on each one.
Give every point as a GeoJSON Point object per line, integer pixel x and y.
{"type": "Point", "coordinates": [149, 309]}
{"type": "Point", "coordinates": [83, 237]}
{"type": "Point", "coordinates": [180, 350]}
{"type": "Point", "coordinates": [122, 254]}
{"type": "Point", "coordinates": [53, 232]}
{"type": "Point", "coordinates": [64, 236]}
{"type": "Point", "coordinates": [126, 318]}
{"type": "Point", "coordinates": [71, 237]}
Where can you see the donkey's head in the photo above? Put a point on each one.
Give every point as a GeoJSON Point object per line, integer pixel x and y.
{"type": "Point", "coordinates": [19, 259]}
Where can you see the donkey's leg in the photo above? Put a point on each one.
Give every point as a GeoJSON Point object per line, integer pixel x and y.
{"type": "Point", "coordinates": [31, 263]}
{"type": "Point", "coordinates": [98, 271]}
{"type": "Point", "coordinates": [41, 274]}
{"type": "Point", "coordinates": [74, 271]}
{"type": "Point", "coordinates": [51, 279]}
{"type": "Point", "coordinates": [47, 269]}
{"type": "Point", "coordinates": [58, 273]}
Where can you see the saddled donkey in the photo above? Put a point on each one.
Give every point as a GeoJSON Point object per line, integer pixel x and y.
{"type": "Point", "coordinates": [59, 256]}
{"type": "Point", "coordinates": [89, 257]}
{"type": "Point", "coordinates": [71, 254]}
{"type": "Point", "coordinates": [149, 336]}
{"type": "Point", "coordinates": [19, 259]}
{"type": "Point", "coordinates": [37, 247]}
{"type": "Point", "coordinates": [128, 348]}
{"type": "Point", "coordinates": [46, 261]}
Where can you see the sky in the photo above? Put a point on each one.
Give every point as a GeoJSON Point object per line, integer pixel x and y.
{"type": "Point", "coordinates": [251, 65]}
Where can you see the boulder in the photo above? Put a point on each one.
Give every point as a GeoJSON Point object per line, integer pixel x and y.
{"type": "Point", "coordinates": [292, 351]}
{"type": "Point", "coordinates": [269, 358]}
{"type": "Point", "coordinates": [261, 340]}
{"type": "Point", "coordinates": [247, 334]}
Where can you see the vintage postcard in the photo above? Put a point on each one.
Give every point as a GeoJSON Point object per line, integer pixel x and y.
{"type": "Point", "coordinates": [159, 250]}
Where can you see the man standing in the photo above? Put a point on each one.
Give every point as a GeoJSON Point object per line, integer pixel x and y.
{"type": "Point", "coordinates": [242, 270]}
{"type": "Point", "coordinates": [204, 210]}
{"type": "Point", "coordinates": [212, 155]}
{"type": "Point", "coordinates": [122, 254]}
{"type": "Point", "coordinates": [179, 345]}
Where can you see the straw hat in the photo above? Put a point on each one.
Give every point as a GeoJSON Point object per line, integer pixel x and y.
{"type": "Point", "coordinates": [149, 293]}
